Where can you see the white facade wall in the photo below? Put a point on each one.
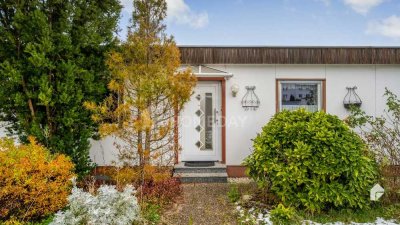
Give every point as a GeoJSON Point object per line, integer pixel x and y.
{"type": "Point", "coordinates": [242, 126]}
{"type": "Point", "coordinates": [2, 132]}
{"type": "Point", "coordinates": [371, 81]}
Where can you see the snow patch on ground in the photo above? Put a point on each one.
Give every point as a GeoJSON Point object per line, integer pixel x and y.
{"type": "Point", "coordinates": [251, 216]}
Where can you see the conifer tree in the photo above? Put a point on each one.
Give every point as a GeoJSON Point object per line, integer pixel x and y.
{"type": "Point", "coordinates": [52, 59]}
{"type": "Point", "coordinates": [148, 90]}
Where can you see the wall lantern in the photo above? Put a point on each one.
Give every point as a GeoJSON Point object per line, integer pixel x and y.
{"type": "Point", "coordinates": [250, 100]}
{"type": "Point", "coordinates": [235, 90]}
{"type": "Point", "coordinates": [351, 98]}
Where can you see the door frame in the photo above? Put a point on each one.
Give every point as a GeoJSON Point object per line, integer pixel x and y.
{"type": "Point", "coordinates": [223, 116]}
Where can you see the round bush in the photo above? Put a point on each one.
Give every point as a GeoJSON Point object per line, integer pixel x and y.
{"type": "Point", "coordinates": [33, 183]}
{"type": "Point", "coordinates": [312, 161]}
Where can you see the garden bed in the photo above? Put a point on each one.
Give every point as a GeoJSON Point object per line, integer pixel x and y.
{"type": "Point", "coordinates": [256, 209]}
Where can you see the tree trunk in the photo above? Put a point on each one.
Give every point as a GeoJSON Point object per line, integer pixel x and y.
{"type": "Point", "coordinates": [49, 125]}
{"type": "Point", "coordinates": [140, 148]}
{"type": "Point", "coordinates": [147, 147]}
{"type": "Point", "coordinates": [30, 104]}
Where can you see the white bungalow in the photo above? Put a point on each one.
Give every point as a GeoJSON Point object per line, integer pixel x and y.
{"type": "Point", "coordinates": [240, 88]}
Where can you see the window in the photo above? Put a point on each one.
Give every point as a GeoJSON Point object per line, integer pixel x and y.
{"type": "Point", "coordinates": [294, 94]}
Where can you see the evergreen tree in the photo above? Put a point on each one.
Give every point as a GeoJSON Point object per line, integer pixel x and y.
{"type": "Point", "coordinates": [148, 90]}
{"type": "Point", "coordinates": [52, 55]}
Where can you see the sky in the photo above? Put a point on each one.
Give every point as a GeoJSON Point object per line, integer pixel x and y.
{"type": "Point", "coordinates": [280, 22]}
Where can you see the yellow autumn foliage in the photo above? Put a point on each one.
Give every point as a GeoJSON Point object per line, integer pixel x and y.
{"type": "Point", "coordinates": [148, 89]}
{"type": "Point", "coordinates": [114, 85]}
{"type": "Point", "coordinates": [144, 122]}
{"type": "Point", "coordinates": [90, 105]}
{"type": "Point", "coordinates": [132, 175]}
{"type": "Point", "coordinates": [33, 182]}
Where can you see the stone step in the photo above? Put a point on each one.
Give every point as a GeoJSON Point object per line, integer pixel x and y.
{"type": "Point", "coordinates": [217, 168]}
{"type": "Point", "coordinates": [199, 170]}
{"type": "Point", "coordinates": [218, 177]}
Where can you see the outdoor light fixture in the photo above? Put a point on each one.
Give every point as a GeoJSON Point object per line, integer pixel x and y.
{"type": "Point", "coordinates": [351, 98]}
{"type": "Point", "coordinates": [235, 90]}
{"type": "Point", "coordinates": [250, 100]}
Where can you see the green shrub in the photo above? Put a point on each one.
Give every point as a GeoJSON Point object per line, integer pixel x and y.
{"type": "Point", "coordinates": [151, 213]}
{"type": "Point", "coordinates": [233, 194]}
{"type": "Point", "coordinates": [284, 215]}
{"type": "Point", "coordinates": [312, 161]}
{"type": "Point", "coordinates": [381, 133]}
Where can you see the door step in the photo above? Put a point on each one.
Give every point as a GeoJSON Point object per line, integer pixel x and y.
{"type": "Point", "coordinates": [199, 164]}
{"type": "Point", "coordinates": [205, 174]}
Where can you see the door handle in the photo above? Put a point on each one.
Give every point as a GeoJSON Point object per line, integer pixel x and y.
{"type": "Point", "coordinates": [215, 115]}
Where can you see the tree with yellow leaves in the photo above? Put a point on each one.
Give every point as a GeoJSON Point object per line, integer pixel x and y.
{"type": "Point", "coordinates": [148, 90]}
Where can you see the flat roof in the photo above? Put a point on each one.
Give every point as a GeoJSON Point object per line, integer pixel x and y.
{"type": "Point", "coordinates": [209, 54]}
{"type": "Point", "coordinates": [286, 46]}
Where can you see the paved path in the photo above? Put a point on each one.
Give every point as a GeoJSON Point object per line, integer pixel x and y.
{"type": "Point", "coordinates": [201, 204]}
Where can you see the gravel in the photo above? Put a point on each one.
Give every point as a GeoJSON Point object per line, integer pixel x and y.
{"type": "Point", "coordinates": [202, 204]}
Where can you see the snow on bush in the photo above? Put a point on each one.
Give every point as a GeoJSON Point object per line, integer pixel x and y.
{"type": "Point", "coordinates": [108, 206]}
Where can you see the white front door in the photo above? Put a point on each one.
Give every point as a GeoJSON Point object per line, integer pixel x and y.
{"type": "Point", "coordinates": [200, 130]}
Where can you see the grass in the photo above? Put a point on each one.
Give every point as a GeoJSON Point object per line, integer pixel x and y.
{"type": "Point", "coordinates": [151, 213]}
{"type": "Point", "coordinates": [233, 194]}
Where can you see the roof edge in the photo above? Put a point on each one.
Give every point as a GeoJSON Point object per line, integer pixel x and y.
{"type": "Point", "coordinates": [283, 46]}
